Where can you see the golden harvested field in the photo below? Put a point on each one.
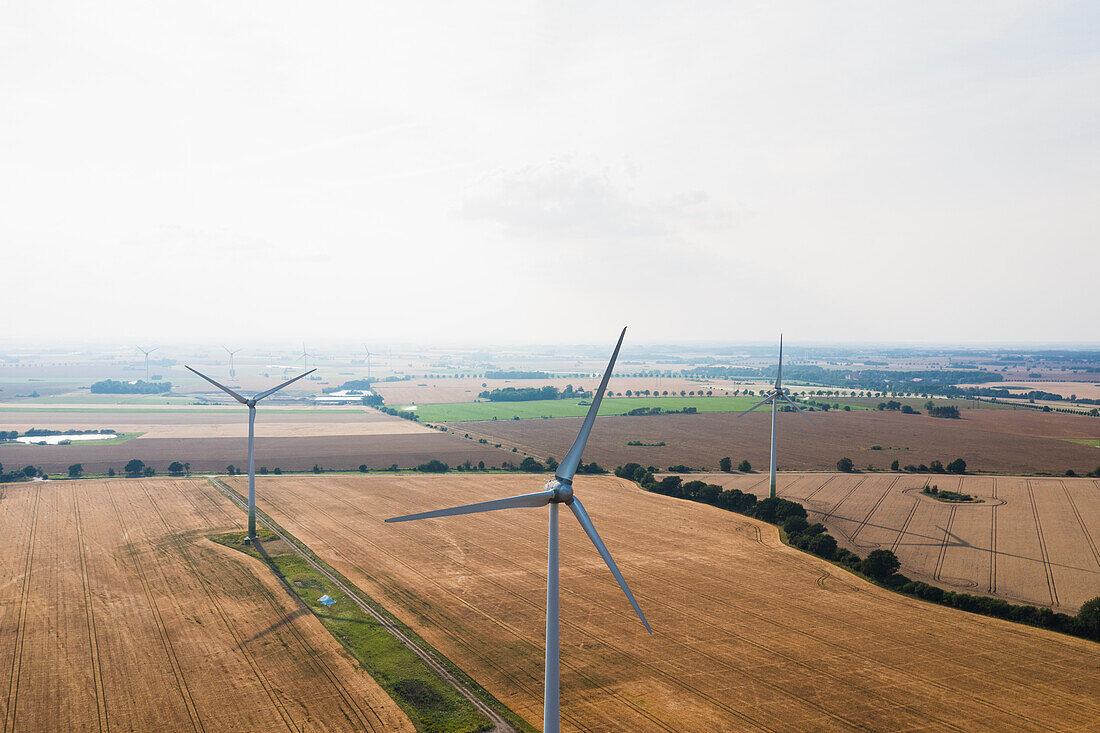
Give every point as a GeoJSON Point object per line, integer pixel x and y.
{"type": "Point", "coordinates": [116, 613]}
{"type": "Point", "coordinates": [1031, 540]}
{"type": "Point", "coordinates": [749, 634]}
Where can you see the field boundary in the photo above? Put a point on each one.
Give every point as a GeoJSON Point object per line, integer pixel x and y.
{"type": "Point", "coordinates": [480, 698]}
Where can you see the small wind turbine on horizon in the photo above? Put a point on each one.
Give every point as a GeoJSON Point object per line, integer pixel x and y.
{"type": "Point", "coordinates": [773, 396]}
{"type": "Point", "coordinates": [250, 403]}
{"type": "Point", "coordinates": [368, 361]}
{"type": "Point", "coordinates": [150, 351]}
{"type": "Point", "coordinates": [232, 367]}
{"type": "Point", "coordinates": [557, 491]}
{"type": "Point", "coordinates": [305, 358]}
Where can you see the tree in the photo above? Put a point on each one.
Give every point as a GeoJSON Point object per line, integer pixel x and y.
{"type": "Point", "coordinates": [880, 564]}
{"type": "Point", "coordinates": [1088, 618]}
{"type": "Point", "coordinates": [744, 467]}
{"type": "Point", "coordinates": [823, 545]}
{"type": "Point", "coordinates": [134, 467]}
{"type": "Point", "coordinates": [433, 466]}
{"type": "Point", "coordinates": [725, 464]}
{"type": "Point", "coordinates": [894, 466]}
{"type": "Point", "coordinates": [175, 468]}
{"type": "Point", "coordinates": [844, 465]}
{"type": "Point", "coordinates": [362, 468]}
{"type": "Point", "coordinates": [230, 469]}
{"type": "Point", "coordinates": [530, 465]}
{"type": "Point", "coordinates": [936, 467]}
{"type": "Point", "coordinates": [75, 470]}
{"type": "Point", "coordinates": [110, 473]}
{"type": "Point", "coordinates": [957, 466]}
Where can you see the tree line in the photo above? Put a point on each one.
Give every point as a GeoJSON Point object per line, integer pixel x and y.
{"type": "Point", "coordinates": [111, 386]}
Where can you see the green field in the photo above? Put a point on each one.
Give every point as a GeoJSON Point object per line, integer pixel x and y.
{"type": "Point", "coordinates": [470, 411]}
{"type": "Point", "coordinates": [1093, 442]}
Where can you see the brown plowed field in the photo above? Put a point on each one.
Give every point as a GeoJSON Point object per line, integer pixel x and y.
{"type": "Point", "coordinates": [1031, 540]}
{"type": "Point", "coordinates": [999, 441]}
{"type": "Point", "coordinates": [296, 454]}
{"type": "Point", "coordinates": [116, 613]}
{"type": "Point", "coordinates": [749, 634]}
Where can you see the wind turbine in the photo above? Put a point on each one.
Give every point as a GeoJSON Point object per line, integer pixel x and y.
{"type": "Point", "coordinates": [558, 490]}
{"type": "Point", "coordinates": [251, 405]}
{"type": "Point", "coordinates": [368, 361]}
{"type": "Point", "coordinates": [305, 358]}
{"type": "Point", "coordinates": [232, 368]}
{"type": "Point", "coordinates": [150, 351]}
{"type": "Point", "coordinates": [773, 397]}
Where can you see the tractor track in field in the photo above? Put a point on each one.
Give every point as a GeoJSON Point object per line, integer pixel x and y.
{"type": "Point", "coordinates": [905, 526]}
{"type": "Point", "coordinates": [825, 516]}
{"type": "Point", "coordinates": [288, 720]}
{"type": "Point", "coordinates": [993, 544]}
{"type": "Point", "coordinates": [943, 545]}
{"type": "Point", "coordinates": [870, 513]}
{"type": "Point", "coordinates": [17, 656]}
{"type": "Point", "coordinates": [89, 612]}
{"type": "Point", "coordinates": [1081, 522]}
{"type": "Point", "coordinates": [314, 658]}
{"type": "Point", "coordinates": [501, 725]}
{"type": "Point", "coordinates": [1042, 545]}
{"type": "Point", "coordinates": [166, 641]}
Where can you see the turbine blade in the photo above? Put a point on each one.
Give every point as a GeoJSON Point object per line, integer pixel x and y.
{"type": "Point", "coordinates": [541, 498]}
{"type": "Point", "coordinates": [788, 399]}
{"type": "Point", "coordinates": [590, 530]}
{"type": "Point", "coordinates": [222, 387]}
{"type": "Point", "coordinates": [779, 373]}
{"type": "Point", "coordinates": [761, 402]}
{"type": "Point", "coordinates": [272, 391]}
{"type": "Point", "coordinates": [568, 467]}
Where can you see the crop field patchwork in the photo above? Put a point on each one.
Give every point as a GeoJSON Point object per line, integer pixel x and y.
{"type": "Point", "coordinates": [1029, 540]}
{"type": "Point", "coordinates": [459, 411]}
{"type": "Point", "coordinates": [748, 634]}
{"type": "Point", "coordinates": [116, 613]}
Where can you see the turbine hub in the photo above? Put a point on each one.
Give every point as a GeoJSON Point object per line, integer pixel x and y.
{"type": "Point", "coordinates": [251, 403]}
{"type": "Point", "coordinates": [563, 492]}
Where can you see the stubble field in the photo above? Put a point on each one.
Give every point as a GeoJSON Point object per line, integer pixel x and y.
{"type": "Point", "coordinates": [1031, 540]}
{"type": "Point", "coordinates": [117, 614]}
{"type": "Point", "coordinates": [749, 634]}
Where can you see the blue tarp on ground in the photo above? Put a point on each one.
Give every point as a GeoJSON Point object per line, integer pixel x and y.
{"type": "Point", "coordinates": [326, 600]}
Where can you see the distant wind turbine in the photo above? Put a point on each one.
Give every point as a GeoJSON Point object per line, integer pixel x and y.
{"type": "Point", "coordinates": [232, 367]}
{"type": "Point", "coordinates": [368, 361]}
{"type": "Point", "coordinates": [305, 358]}
{"type": "Point", "coordinates": [251, 405]}
{"type": "Point", "coordinates": [147, 352]}
{"type": "Point", "coordinates": [773, 397]}
{"type": "Point", "coordinates": [558, 490]}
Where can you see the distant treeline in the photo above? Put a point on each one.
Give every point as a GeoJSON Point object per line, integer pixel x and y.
{"type": "Point", "coordinates": [516, 375]}
{"type": "Point", "coordinates": [38, 432]}
{"type": "Point", "coordinates": [1001, 393]}
{"type": "Point", "coordinates": [880, 565]}
{"type": "Point", "coordinates": [527, 394]}
{"type": "Point", "coordinates": [878, 380]}
{"type": "Point", "coordinates": [111, 386]}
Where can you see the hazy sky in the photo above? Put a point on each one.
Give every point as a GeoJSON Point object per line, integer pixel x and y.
{"type": "Point", "coordinates": [535, 172]}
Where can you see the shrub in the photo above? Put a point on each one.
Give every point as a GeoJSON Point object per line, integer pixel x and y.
{"type": "Point", "coordinates": [362, 468]}
{"type": "Point", "coordinates": [844, 465]}
{"type": "Point", "coordinates": [530, 465]}
{"type": "Point", "coordinates": [75, 470]}
{"type": "Point", "coordinates": [746, 467]}
{"type": "Point", "coordinates": [433, 466]}
{"type": "Point", "coordinates": [777, 510]}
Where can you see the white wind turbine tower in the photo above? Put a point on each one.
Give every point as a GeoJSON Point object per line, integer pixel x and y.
{"type": "Point", "coordinates": [368, 361]}
{"type": "Point", "coordinates": [305, 358]}
{"type": "Point", "coordinates": [558, 490]}
{"type": "Point", "coordinates": [147, 352]}
{"type": "Point", "coordinates": [232, 367]}
{"type": "Point", "coordinates": [773, 397]}
{"type": "Point", "coordinates": [251, 405]}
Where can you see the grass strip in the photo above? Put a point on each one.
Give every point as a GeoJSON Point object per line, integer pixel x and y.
{"type": "Point", "coordinates": [388, 661]}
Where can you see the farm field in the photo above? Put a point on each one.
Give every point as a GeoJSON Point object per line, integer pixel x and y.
{"type": "Point", "coordinates": [1031, 540]}
{"type": "Point", "coordinates": [460, 411]}
{"type": "Point", "coordinates": [1086, 390]}
{"type": "Point", "coordinates": [119, 614]}
{"type": "Point", "coordinates": [748, 634]}
{"type": "Point", "coordinates": [1000, 441]}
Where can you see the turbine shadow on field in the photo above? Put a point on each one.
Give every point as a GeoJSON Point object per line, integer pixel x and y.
{"type": "Point", "coordinates": [289, 618]}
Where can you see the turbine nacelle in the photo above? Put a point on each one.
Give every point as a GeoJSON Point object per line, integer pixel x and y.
{"type": "Point", "coordinates": [563, 491]}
